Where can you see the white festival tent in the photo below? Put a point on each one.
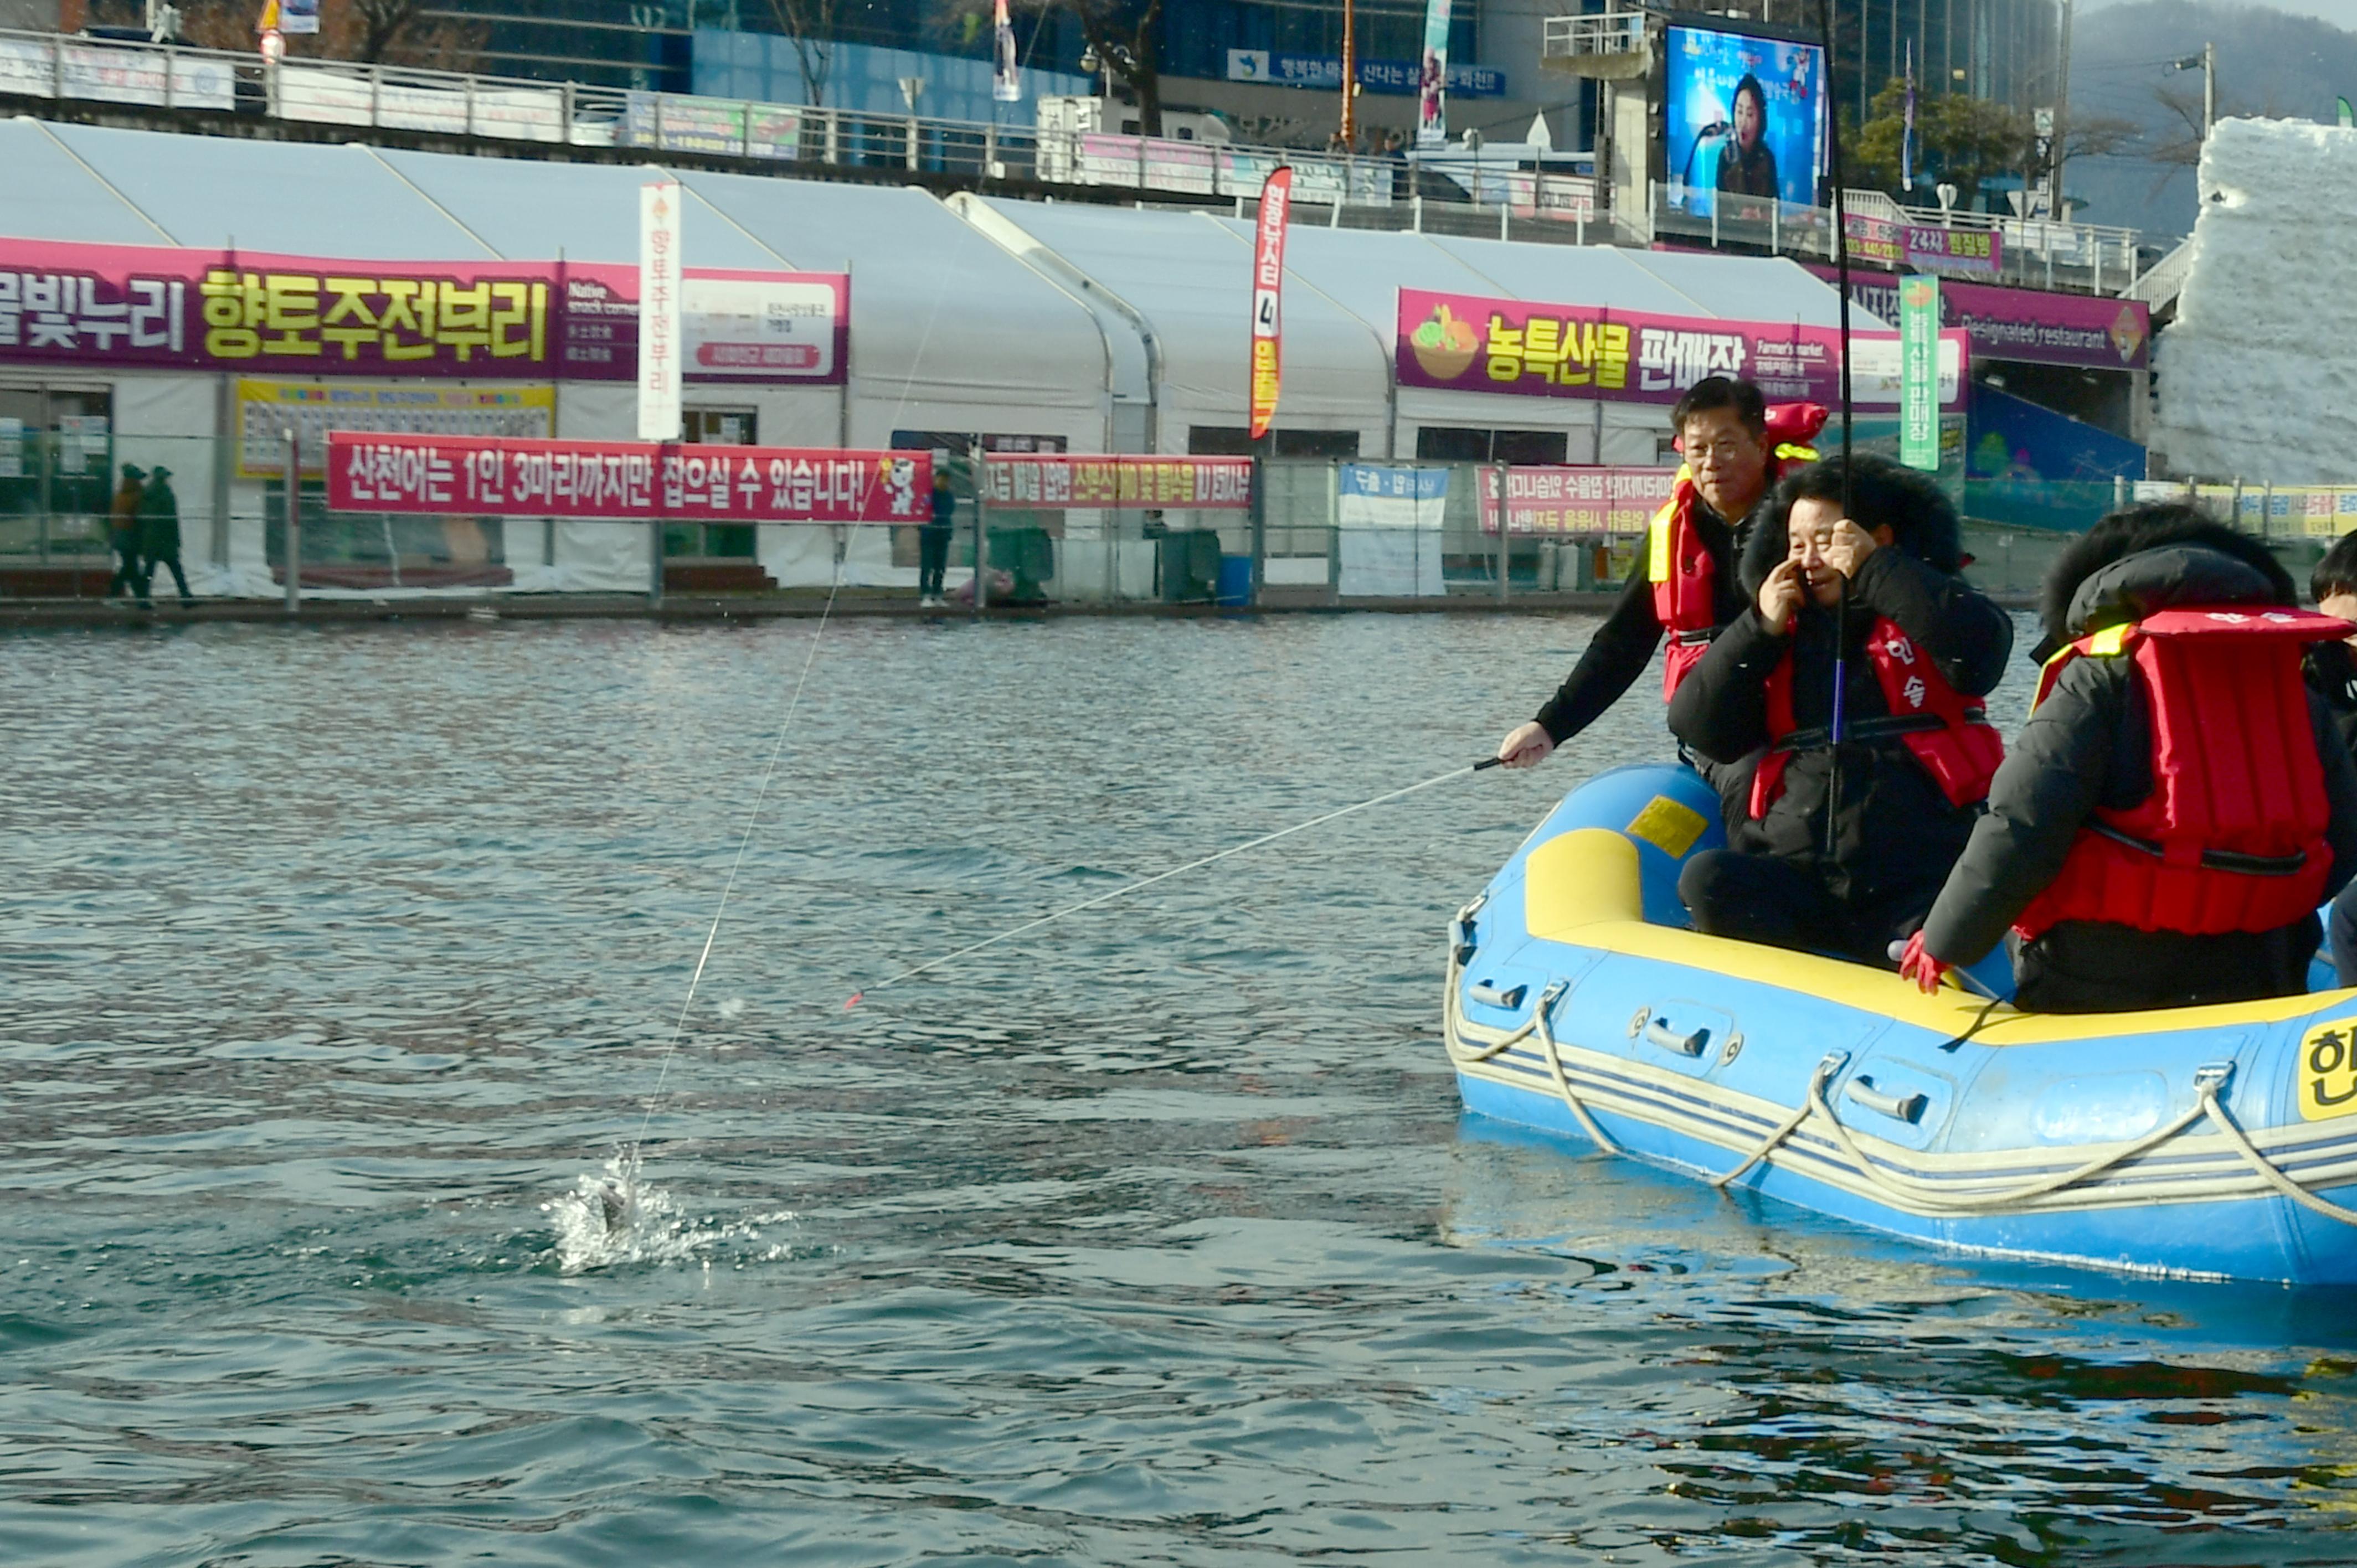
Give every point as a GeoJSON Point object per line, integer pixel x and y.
{"type": "Point", "coordinates": [1103, 329]}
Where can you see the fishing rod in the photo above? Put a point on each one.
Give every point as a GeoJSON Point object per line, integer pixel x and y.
{"type": "Point", "coordinates": [1841, 274]}
{"type": "Point", "coordinates": [1129, 888]}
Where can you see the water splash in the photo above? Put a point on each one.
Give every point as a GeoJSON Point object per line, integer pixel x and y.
{"type": "Point", "coordinates": [613, 1219]}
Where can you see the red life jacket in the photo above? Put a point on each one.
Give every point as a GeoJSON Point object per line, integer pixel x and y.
{"type": "Point", "coordinates": [2232, 837]}
{"type": "Point", "coordinates": [1682, 569]}
{"type": "Point", "coordinates": [1946, 731]}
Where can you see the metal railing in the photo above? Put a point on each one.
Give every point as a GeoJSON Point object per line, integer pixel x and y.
{"type": "Point", "coordinates": [1403, 191]}
{"type": "Point", "coordinates": [338, 92]}
{"type": "Point", "coordinates": [1617, 31]}
{"type": "Point", "coordinates": [2165, 279]}
{"type": "Point", "coordinates": [2027, 253]}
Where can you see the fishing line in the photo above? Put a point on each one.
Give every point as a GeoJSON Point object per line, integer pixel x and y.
{"type": "Point", "coordinates": [760, 798]}
{"type": "Point", "coordinates": [1128, 888]}
{"type": "Point", "coordinates": [1841, 272]}
{"type": "Point", "coordinates": [617, 1204]}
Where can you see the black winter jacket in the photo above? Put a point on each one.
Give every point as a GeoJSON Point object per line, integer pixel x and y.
{"type": "Point", "coordinates": [2089, 744]}
{"type": "Point", "coordinates": [1895, 835]}
{"type": "Point", "coordinates": [1624, 644]}
{"type": "Point", "coordinates": [2331, 672]}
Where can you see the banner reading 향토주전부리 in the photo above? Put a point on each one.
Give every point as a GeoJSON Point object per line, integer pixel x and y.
{"type": "Point", "coordinates": [1527, 349]}
{"type": "Point", "coordinates": [72, 306]}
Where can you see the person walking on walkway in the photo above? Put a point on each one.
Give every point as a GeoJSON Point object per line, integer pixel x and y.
{"type": "Point", "coordinates": [123, 533]}
{"type": "Point", "coordinates": [159, 537]}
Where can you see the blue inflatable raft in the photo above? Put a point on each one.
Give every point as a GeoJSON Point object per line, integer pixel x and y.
{"type": "Point", "coordinates": [2210, 1141]}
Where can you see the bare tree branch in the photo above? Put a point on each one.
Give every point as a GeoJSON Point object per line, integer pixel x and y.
{"type": "Point", "coordinates": [811, 24]}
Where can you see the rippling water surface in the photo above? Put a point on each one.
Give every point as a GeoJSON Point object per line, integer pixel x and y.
{"type": "Point", "coordinates": [338, 963]}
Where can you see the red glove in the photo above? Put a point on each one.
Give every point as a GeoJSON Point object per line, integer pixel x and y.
{"type": "Point", "coordinates": [1921, 967]}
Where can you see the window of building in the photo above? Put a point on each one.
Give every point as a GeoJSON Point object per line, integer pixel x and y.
{"type": "Point", "coordinates": [1236, 441]}
{"type": "Point", "coordinates": [1458, 444]}
{"type": "Point", "coordinates": [56, 467]}
{"type": "Point", "coordinates": [715, 540]}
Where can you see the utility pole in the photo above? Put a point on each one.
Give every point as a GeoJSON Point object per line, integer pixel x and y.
{"type": "Point", "coordinates": [1349, 80]}
{"type": "Point", "coordinates": [2206, 62]}
{"type": "Point", "coordinates": [2063, 115]}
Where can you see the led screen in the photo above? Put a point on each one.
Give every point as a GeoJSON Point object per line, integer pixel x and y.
{"type": "Point", "coordinates": [1745, 118]}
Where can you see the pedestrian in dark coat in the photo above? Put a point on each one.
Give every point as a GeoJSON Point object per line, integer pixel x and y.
{"type": "Point", "coordinates": [159, 535]}
{"type": "Point", "coordinates": [2330, 667]}
{"type": "Point", "coordinates": [123, 533]}
{"type": "Point", "coordinates": [2089, 745]}
{"type": "Point", "coordinates": [1911, 626]}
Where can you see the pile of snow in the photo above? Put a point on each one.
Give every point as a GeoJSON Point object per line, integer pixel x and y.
{"type": "Point", "coordinates": [2257, 378]}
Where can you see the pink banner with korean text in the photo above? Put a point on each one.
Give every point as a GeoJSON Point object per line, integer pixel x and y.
{"type": "Point", "coordinates": [1061, 483]}
{"type": "Point", "coordinates": [1923, 248]}
{"type": "Point", "coordinates": [109, 306]}
{"type": "Point", "coordinates": [1526, 349]}
{"type": "Point", "coordinates": [626, 480]}
{"type": "Point", "coordinates": [1597, 501]}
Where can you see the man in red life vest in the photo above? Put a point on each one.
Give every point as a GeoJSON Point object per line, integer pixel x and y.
{"type": "Point", "coordinates": [1735, 448]}
{"type": "Point", "coordinates": [2178, 804]}
{"type": "Point", "coordinates": [1915, 646]}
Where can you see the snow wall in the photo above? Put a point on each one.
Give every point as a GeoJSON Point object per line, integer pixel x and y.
{"type": "Point", "coordinates": [2257, 377]}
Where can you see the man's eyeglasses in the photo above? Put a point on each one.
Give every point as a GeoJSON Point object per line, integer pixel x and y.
{"type": "Point", "coordinates": [1721, 451]}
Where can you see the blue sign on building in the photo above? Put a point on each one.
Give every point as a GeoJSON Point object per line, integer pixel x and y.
{"type": "Point", "coordinates": [1396, 77]}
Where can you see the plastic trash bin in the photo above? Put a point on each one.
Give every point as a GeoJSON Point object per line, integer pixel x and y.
{"type": "Point", "coordinates": [1236, 581]}
{"type": "Point", "coordinates": [1189, 562]}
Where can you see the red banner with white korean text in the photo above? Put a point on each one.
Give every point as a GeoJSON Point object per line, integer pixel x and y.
{"type": "Point", "coordinates": [1268, 298]}
{"type": "Point", "coordinates": [514, 476]}
{"type": "Point", "coordinates": [1576, 500]}
{"type": "Point", "coordinates": [1045, 483]}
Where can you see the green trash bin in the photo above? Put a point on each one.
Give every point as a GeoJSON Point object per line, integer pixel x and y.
{"type": "Point", "coordinates": [1188, 564]}
{"type": "Point", "coordinates": [1027, 555]}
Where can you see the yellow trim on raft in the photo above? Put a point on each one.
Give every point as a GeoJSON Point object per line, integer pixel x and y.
{"type": "Point", "coordinates": [1582, 888]}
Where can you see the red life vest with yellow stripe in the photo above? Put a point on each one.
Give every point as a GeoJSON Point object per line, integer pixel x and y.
{"type": "Point", "coordinates": [1948, 733]}
{"type": "Point", "coordinates": [2232, 836]}
{"type": "Point", "coordinates": [1682, 569]}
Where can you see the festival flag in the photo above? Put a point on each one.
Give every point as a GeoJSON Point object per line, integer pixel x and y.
{"type": "Point", "coordinates": [1919, 372]}
{"type": "Point", "coordinates": [1268, 297]}
{"type": "Point", "coordinates": [659, 311]}
{"type": "Point", "coordinates": [1907, 131]}
{"type": "Point", "coordinates": [1432, 79]}
{"type": "Point", "coordinates": [1005, 84]}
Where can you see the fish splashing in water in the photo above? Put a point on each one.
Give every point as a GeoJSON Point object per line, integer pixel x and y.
{"type": "Point", "coordinates": [612, 1219]}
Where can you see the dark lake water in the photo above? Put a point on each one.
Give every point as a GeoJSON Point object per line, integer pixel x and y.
{"type": "Point", "coordinates": [338, 961]}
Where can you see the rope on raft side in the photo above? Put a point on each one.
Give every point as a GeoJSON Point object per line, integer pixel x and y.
{"type": "Point", "coordinates": [1913, 1192]}
{"type": "Point", "coordinates": [1563, 1081]}
{"type": "Point", "coordinates": [2207, 1089]}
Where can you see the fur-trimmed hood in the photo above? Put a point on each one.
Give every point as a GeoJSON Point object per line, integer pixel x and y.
{"type": "Point", "coordinates": [1921, 518]}
{"type": "Point", "coordinates": [2149, 558]}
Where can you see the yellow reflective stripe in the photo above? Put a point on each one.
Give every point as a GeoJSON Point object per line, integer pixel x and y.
{"type": "Point", "coordinates": [1657, 541]}
{"type": "Point", "coordinates": [2111, 640]}
{"type": "Point", "coordinates": [1794, 452]}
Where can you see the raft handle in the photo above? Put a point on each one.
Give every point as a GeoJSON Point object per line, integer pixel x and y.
{"type": "Point", "coordinates": [1898, 1106]}
{"type": "Point", "coordinates": [1463, 939]}
{"type": "Point", "coordinates": [1653, 1032]}
{"type": "Point", "coordinates": [1489, 995]}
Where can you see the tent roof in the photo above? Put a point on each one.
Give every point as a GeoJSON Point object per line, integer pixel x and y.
{"type": "Point", "coordinates": [584, 213]}
{"type": "Point", "coordinates": [1190, 277]}
{"type": "Point", "coordinates": [290, 197]}
{"type": "Point", "coordinates": [50, 197]}
{"type": "Point", "coordinates": [918, 273]}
